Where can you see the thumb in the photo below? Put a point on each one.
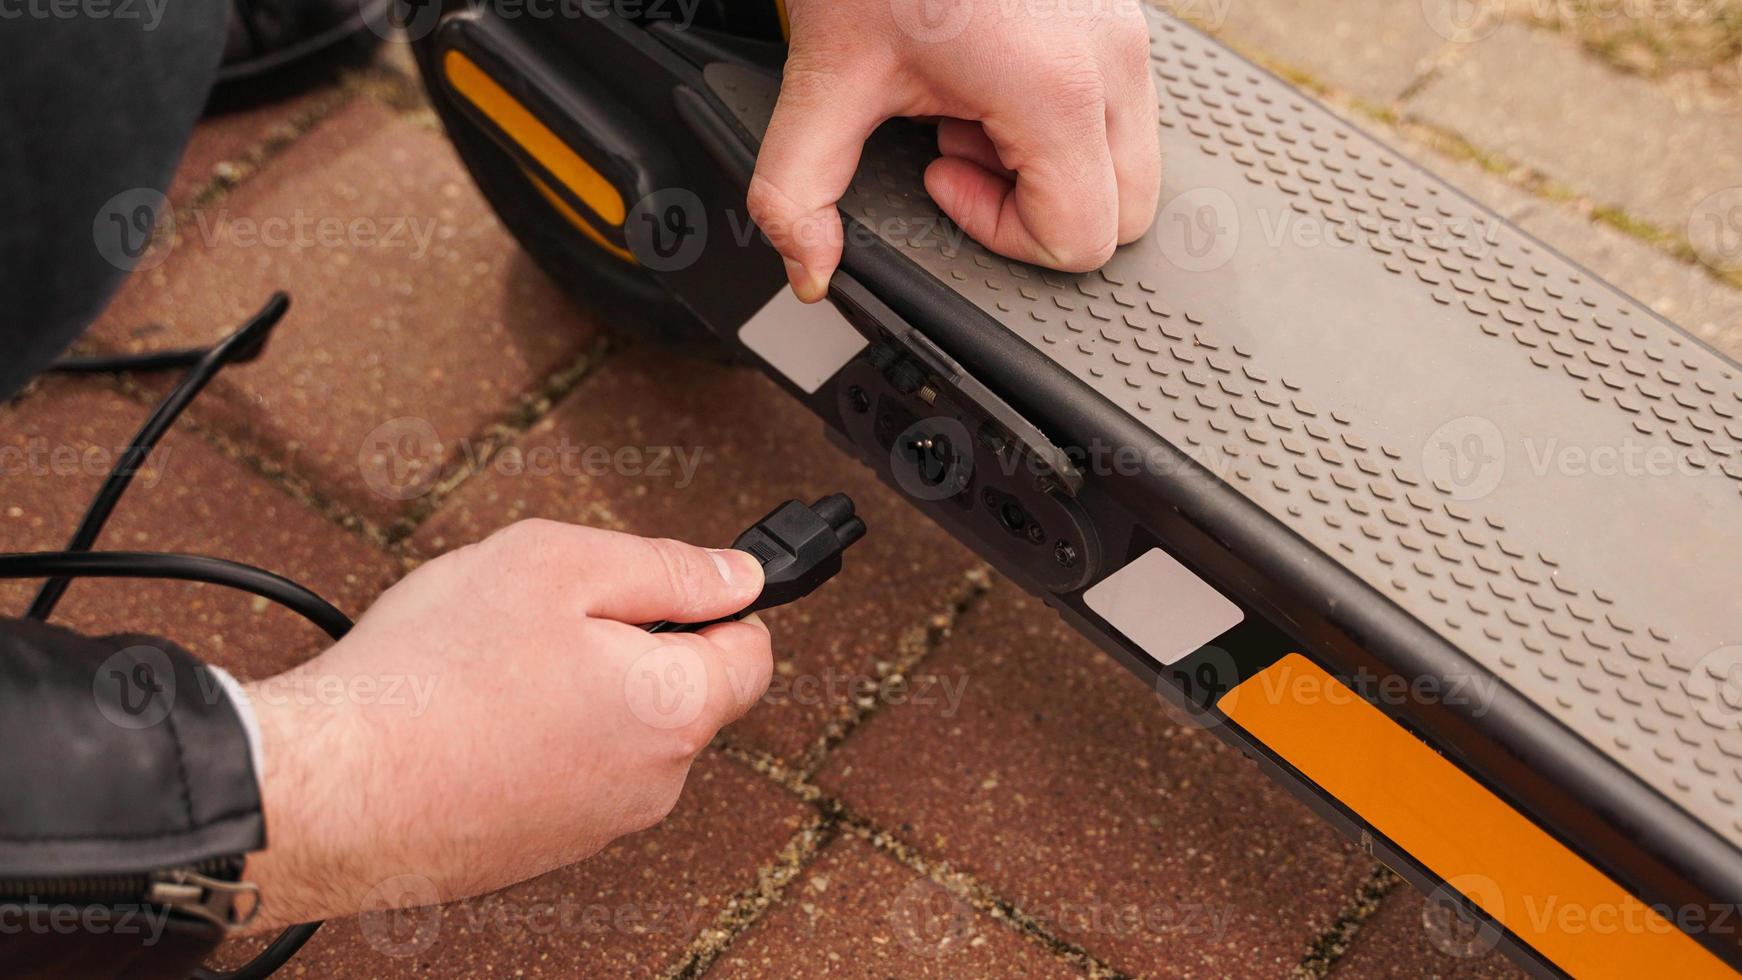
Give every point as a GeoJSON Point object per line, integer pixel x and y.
{"type": "Point", "coordinates": [825, 113]}
{"type": "Point", "coordinates": [633, 579]}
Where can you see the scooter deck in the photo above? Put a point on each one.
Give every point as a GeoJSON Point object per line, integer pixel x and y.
{"type": "Point", "coordinates": [1525, 460]}
{"type": "Point", "coordinates": [1396, 432]}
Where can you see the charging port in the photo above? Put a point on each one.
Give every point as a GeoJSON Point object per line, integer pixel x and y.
{"type": "Point", "coordinates": [933, 456]}
{"type": "Point", "coordinates": [1012, 516]}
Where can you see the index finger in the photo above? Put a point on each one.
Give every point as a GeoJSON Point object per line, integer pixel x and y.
{"type": "Point", "coordinates": [1062, 209]}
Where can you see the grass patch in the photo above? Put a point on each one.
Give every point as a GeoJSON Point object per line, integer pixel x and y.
{"type": "Point", "coordinates": [1652, 38]}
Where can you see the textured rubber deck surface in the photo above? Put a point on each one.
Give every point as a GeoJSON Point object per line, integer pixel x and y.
{"type": "Point", "coordinates": [1408, 383]}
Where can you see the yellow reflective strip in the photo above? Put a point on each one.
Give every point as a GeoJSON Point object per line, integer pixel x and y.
{"type": "Point", "coordinates": [521, 126]}
{"type": "Point", "coordinates": [1539, 889]}
{"type": "Point", "coordinates": [574, 217]}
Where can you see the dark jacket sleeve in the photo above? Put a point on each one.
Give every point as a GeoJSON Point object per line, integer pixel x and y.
{"type": "Point", "coordinates": [128, 802]}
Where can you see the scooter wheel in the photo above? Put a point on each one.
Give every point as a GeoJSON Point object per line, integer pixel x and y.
{"type": "Point", "coordinates": [626, 298]}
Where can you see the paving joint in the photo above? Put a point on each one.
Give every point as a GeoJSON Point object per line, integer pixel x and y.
{"type": "Point", "coordinates": [911, 649]}
{"type": "Point", "coordinates": [1330, 945]}
{"type": "Point", "coordinates": [299, 489]}
{"type": "Point", "coordinates": [748, 906]}
{"type": "Point", "coordinates": [1449, 54]}
{"type": "Point", "coordinates": [383, 84]}
{"type": "Point", "coordinates": [1666, 54]}
{"type": "Point", "coordinates": [230, 174]}
{"type": "Point", "coordinates": [528, 410]}
{"type": "Point", "coordinates": [839, 819]}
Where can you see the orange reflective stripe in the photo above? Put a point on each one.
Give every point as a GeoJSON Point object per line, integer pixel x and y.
{"type": "Point", "coordinates": [521, 126]}
{"type": "Point", "coordinates": [574, 218]}
{"type": "Point", "coordinates": [1539, 889]}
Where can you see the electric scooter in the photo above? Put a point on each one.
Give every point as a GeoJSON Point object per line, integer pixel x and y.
{"type": "Point", "coordinates": [1294, 482]}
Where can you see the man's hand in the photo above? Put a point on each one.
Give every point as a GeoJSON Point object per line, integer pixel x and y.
{"type": "Point", "coordinates": [498, 714]}
{"type": "Point", "coordinates": [1048, 131]}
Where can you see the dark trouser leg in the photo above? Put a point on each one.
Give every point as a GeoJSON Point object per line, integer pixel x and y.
{"type": "Point", "coordinates": [99, 97]}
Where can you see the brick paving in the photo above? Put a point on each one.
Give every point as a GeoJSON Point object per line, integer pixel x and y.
{"type": "Point", "coordinates": [1055, 780]}
{"type": "Point", "coordinates": [1390, 944]}
{"type": "Point", "coordinates": [633, 909]}
{"type": "Point", "coordinates": [359, 347]}
{"type": "Point", "coordinates": [190, 497]}
{"type": "Point", "coordinates": [855, 912]}
{"type": "Point", "coordinates": [1536, 99]}
{"type": "Point", "coordinates": [1036, 812]}
{"type": "Point", "coordinates": [1373, 49]}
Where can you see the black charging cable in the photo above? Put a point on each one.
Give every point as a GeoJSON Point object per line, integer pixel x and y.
{"type": "Point", "coordinates": [78, 561]}
{"type": "Point", "coordinates": [246, 340]}
{"type": "Point", "coordinates": [799, 547]}
{"type": "Point", "coordinates": [162, 360]}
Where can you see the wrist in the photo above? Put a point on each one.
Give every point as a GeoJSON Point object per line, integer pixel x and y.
{"type": "Point", "coordinates": [313, 853]}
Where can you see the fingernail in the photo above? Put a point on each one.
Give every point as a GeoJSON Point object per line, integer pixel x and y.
{"type": "Point", "coordinates": [725, 558]}
{"type": "Point", "coordinates": [754, 619]}
{"type": "Point", "coordinates": [805, 284]}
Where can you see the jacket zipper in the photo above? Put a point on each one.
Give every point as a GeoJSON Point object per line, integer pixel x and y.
{"type": "Point", "coordinates": [196, 890]}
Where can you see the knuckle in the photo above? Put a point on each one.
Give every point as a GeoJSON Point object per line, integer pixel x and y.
{"type": "Point", "coordinates": [810, 75]}
{"type": "Point", "coordinates": [659, 804]}
{"type": "Point", "coordinates": [767, 203]}
{"type": "Point", "coordinates": [1072, 82]}
{"type": "Point", "coordinates": [1131, 49]}
{"type": "Point", "coordinates": [1083, 254]}
{"type": "Point", "coordinates": [1128, 27]}
{"type": "Point", "coordinates": [684, 576]}
{"type": "Point", "coordinates": [691, 740]}
{"type": "Point", "coordinates": [530, 538]}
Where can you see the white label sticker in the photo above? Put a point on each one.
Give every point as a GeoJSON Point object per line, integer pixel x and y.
{"type": "Point", "coordinates": [1158, 604]}
{"type": "Point", "coordinates": [807, 343]}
